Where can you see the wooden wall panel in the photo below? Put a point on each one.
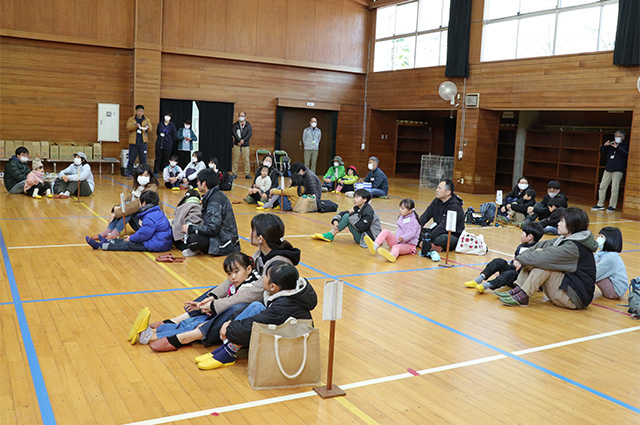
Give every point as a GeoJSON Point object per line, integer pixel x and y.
{"type": "Point", "coordinates": [300, 30]}
{"type": "Point", "coordinates": [353, 45]}
{"type": "Point", "coordinates": [50, 91]}
{"type": "Point", "coordinates": [146, 87]}
{"type": "Point", "coordinates": [631, 201]}
{"type": "Point", "coordinates": [149, 23]}
{"type": "Point", "coordinates": [382, 141]}
{"type": "Point", "coordinates": [328, 32]}
{"type": "Point", "coordinates": [242, 22]}
{"type": "Point", "coordinates": [209, 25]}
{"type": "Point", "coordinates": [272, 39]}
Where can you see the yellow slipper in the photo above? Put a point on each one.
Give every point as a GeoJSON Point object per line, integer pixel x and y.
{"type": "Point", "coordinates": [144, 324]}
{"type": "Point", "coordinates": [204, 357]}
{"type": "Point", "coordinates": [386, 254]}
{"type": "Point", "coordinates": [369, 242]}
{"type": "Point", "coordinates": [212, 363]}
{"type": "Point", "coordinates": [471, 284]}
{"type": "Point", "coordinates": [137, 322]}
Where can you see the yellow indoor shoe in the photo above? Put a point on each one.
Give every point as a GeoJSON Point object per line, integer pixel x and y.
{"type": "Point", "coordinates": [386, 254]}
{"type": "Point", "coordinates": [204, 357]}
{"type": "Point", "coordinates": [144, 324]}
{"type": "Point", "coordinates": [260, 203]}
{"type": "Point", "coordinates": [370, 244]}
{"type": "Point", "coordinates": [261, 208]}
{"type": "Point", "coordinates": [212, 363]}
{"type": "Point", "coordinates": [471, 284]}
{"type": "Point", "coordinates": [175, 189]}
{"type": "Point", "coordinates": [136, 323]}
{"type": "Point", "coordinates": [480, 288]}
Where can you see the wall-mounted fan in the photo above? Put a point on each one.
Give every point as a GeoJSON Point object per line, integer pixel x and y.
{"type": "Point", "coordinates": [448, 91]}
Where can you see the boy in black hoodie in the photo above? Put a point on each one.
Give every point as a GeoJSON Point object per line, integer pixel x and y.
{"type": "Point", "coordinates": [517, 211]}
{"type": "Point", "coordinates": [540, 210]}
{"type": "Point", "coordinates": [445, 200]}
{"type": "Point", "coordinates": [286, 295]}
{"type": "Point", "coordinates": [550, 224]}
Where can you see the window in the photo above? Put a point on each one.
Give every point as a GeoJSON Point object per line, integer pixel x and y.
{"type": "Point", "coordinates": [411, 35]}
{"type": "Point", "coordinates": [515, 29]}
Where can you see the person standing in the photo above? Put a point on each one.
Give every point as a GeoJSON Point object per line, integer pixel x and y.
{"type": "Point", "coordinates": [241, 132]}
{"type": "Point", "coordinates": [616, 152]}
{"type": "Point", "coordinates": [186, 137]}
{"type": "Point", "coordinates": [311, 142]}
{"type": "Point", "coordinates": [138, 126]}
{"type": "Point", "coordinates": [166, 133]}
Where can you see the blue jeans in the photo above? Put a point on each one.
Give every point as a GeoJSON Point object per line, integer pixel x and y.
{"type": "Point", "coordinates": [552, 230]}
{"type": "Point", "coordinates": [134, 151]}
{"type": "Point", "coordinates": [376, 193]}
{"type": "Point", "coordinates": [118, 223]}
{"type": "Point", "coordinates": [254, 308]}
{"type": "Point", "coordinates": [122, 245]}
{"type": "Point", "coordinates": [211, 328]}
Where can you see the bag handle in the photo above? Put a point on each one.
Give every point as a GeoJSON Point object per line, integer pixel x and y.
{"type": "Point", "coordinates": [304, 357]}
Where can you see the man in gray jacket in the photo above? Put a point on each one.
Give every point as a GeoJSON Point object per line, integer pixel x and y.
{"type": "Point", "coordinates": [311, 140]}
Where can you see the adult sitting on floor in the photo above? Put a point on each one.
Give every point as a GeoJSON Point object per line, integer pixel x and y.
{"type": "Point", "coordinates": [436, 213]}
{"type": "Point", "coordinates": [218, 234]}
{"type": "Point", "coordinates": [312, 183]}
{"type": "Point", "coordinates": [563, 267]}
{"type": "Point", "coordinates": [16, 171]}
{"type": "Point", "coordinates": [76, 179]}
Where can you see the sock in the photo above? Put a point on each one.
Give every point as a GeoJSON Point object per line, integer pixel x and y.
{"type": "Point", "coordinates": [145, 336]}
{"type": "Point", "coordinates": [227, 354]}
{"type": "Point", "coordinates": [35, 193]}
{"type": "Point", "coordinates": [478, 279]}
{"type": "Point", "coordinates": [488, 284]}
{"type": "Point", "coordinates": [92, 243]}
{"type": "Point", "coordinates": [518, 294]}
{"type": "Point", "coordinates": [66, 193]}
{"type": "Point", "coordinates": [168, 321]}
{"type": "Point", "coordinates": [48, 193]}
{"type": "Point", "coordinates": [114, 234]}
{"type": "Point", "coordinates": [328, 235]}
{"type": "Point", "coordinates": [104, 233]}
{"type": "Point", "coordinates": [173, 340]}
{"type": "Point", "coordinates": [375, 246]}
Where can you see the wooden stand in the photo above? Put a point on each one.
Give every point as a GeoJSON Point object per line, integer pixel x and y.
{"type": "Point", "coordinates": [446, 258]}
{"type": "Point", "coordinates": [78, 196]}
{"type": "Point", "coordinates": [330, 390]}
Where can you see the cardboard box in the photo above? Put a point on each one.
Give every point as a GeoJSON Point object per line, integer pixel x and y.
{"type": "Point", "coordinates": [67, 151]}
{"type": "Point", "coordinates": [34, 149]}
{"type": "Point", "coordinates": [88, 150]}
{"type": "Point", "coordinates": [44, 150]}
{"type": "Point", "coordinates": [97, 151]}
{"type": "Point", "coordinates": [9, 148]}
{"type": "Point", "coordinates": [2, 153]}
{"type": "Point", "coordinates": [54, 151]}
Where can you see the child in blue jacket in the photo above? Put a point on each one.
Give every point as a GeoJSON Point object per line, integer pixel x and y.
{"type": "Point", "coordinates": [154, 233]}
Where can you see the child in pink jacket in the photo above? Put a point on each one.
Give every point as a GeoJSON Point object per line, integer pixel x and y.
{"type": "Point", "coordinates": [35, 185]}
{"type": "Point", "coordinates": [406, 237]}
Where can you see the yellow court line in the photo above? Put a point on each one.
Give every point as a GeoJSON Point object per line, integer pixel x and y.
{"type": "Point", "coordinates": [359, 413]}
{"type": "Point", "coordinates": [164, 266]}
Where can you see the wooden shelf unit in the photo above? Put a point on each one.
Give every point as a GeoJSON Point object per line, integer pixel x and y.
{"type": "Point", "coordinates": [414, 140]}
{"type": "Point", "coordinates": [506, 155]}
{"type": "Point", "coordinates": [572, 157]}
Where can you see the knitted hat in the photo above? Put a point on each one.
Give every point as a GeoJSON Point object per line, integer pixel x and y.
{"type": "Point", "coordinates": [339, 159]}
{"type": "Point", "coordinates": [37, 163]}
{"type": "Point", "coordinates": [81, 155]}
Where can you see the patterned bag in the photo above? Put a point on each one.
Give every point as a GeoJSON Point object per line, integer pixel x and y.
{"type": "Point", "coordinates": [468, 243]}
{"type": "Point", "coordinates": [362, 185]}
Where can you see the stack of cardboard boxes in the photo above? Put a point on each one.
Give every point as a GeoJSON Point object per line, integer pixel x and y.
{"type": "Point", "coordinates": [49, 150]}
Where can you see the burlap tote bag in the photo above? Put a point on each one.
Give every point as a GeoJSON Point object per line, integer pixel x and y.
{"type": "Point", "coordinates": [284, 356]}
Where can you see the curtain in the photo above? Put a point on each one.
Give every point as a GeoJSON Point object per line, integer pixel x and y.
{"type": "Point", "coordinates": [627, 49]}
{"type": "Point", "coordinates": [334, 132]}
{"type": "Point", "coordinates": [278, 132]}
{"type": "Point", "coordinates": [458, 39]}
{"type": "Point", "coordinates": [216, 119]}
{"type": "Point", "coordinates": [180, 111]}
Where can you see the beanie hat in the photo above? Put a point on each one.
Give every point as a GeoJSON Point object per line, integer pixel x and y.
{"type": "Point", "coordinates": [81, 155]}
{"type": "Point", "coordinates": [37, 163]}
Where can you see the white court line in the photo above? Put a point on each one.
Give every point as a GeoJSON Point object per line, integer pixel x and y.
{"type": "Point", "coordinates": [616, 221]}
{"type": "Point", "coordinates": [500, 252]}
{"type": "Point", "coordinates": [306, 394]}
{"type": "Point", "coordinates": [46, 246]}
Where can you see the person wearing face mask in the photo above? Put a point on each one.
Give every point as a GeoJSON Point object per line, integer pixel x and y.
{"type": "Point", "coordinates": [36, 186]}
{"type": "Point", "coordinates": [311, 143]}
{"type": "Point", "coordinates": [274, 176]}
{"type": "Point", "coordinates": [241, 135]}
{"type": "Point", "coordinates": [16, 171]}
{"type": "Point", "coordinates": [516, 195]}
{"type": "Point", "coordinates": [186, 137]}
{"type": "Point", "coordinates": [378, 179]}
{"type": "Point", "coordinates": [172, 174]}
{"type": "Point", "coordinates": [76, 177]}
{"type": "Point", "coordinates": [139, 127]}
{"type": "Point", "coordinates": [191, 171]}
{"type": "Point", "coordinates": [143, 181]}
{"type": "Point", "coordinates": [616, 152]}
{"type": "Point", "coordinates": [334, 173]}
{"type": "Point", "coordinates": [541, 209]}
{"type": "Point", "coordinates": [611, 273]}
{"type": "Point", "coordinates": [166, 135]}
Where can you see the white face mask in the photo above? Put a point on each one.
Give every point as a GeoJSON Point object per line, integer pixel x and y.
{"type": "Point", "coordinates": [187, 126]}
{"type": "Point", "coordinates": [600, 241]}
{"type": "Point", "coordinates": [212, 166]}
{"type": "Point", "coordinates": [173, 163]}
{"type": "Point", "coordinates": [314, 124]}
{"type": "Point", "coordinates": [143, 180]}
{"type": "Point", "coordinates": [336, 164]}
{"type": "Point", "coordinates": [167, 118]}
{"type": "Point", "coordinates": [370, 166]}
{"type": "Point", "coordinates": [24, 158]}
{"type": "Point", "coordinates": [267, 163]}
{"type": "Point", "coordinates": [551, 194]}
{"type": "Point", "coordinates": [618, 139]}
{"type": "Point", "coordinates": [77, 161]}
{"type": "Point", "coordinates": [523, 186]}
{"type": "Point", "coordinates": [241, 119]}
{"type": "Point", "coordinates": [194, 159]}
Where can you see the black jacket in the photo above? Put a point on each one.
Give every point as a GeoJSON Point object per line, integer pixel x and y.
{"type": "Point", "coordinates": [245, 133]}
{"type": "Point", "coordinates": [365, 217]}
{"type": "Point", "coordinates": [515, 193]}
{"type": "Point", "coordinates": [553, 219]}
{"type": "Point", "coordinates": [219, 223]}
{"type": "Point", "coordinates": [616, 157]}
{"type": "Point", "coordinates": [296, 303]}
{"type": "Point", "coordinates": [521, 206]}
{"type": "Point", "coordinates": [541, 208]}
{"type": "Point", "coordinates": [437, 211]}
{"type": "Point", "coordinates": [170, 136]}
{"type": "Point", "coordinates": [312, 184]}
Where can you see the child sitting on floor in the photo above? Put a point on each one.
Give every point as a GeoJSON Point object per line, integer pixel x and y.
{"type": "Point", "coordinates": [189, 211]}
{"type": "Point", "coordinates": [286, 295]}
{"type": "Point", "coordinates": [289, 195]}
{"type": "Point", "coordinates": [406, 238]}
{"type": "Point", "coordinates": [517, 210]}
{"type": "Point", "coordinates": [531, 234]}
{"type": "Point", "coordinates": [35, 185]}
{"type": "Point", "coordinates": [262, 185]}
{"type": "Point", "coordinates": [550, 224]}
{"type": "Point", "coordinates": [345, 184]}
{"type": "Point", "coordinates": [611, 273]}
{"type": "Point", "coordinates": [172, 174]}
{"type": "Point", "coordinates": [154, 233]}
{"type": "Point", "coordinates": [201, 314]}
{"type": "Point", "coordinates": [361, 220]}
{"type": "Point", "coordinates": [189, 178]}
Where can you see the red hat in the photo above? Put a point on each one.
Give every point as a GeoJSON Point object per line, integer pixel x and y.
{"type": "Point", "coordinates": [353, 167]}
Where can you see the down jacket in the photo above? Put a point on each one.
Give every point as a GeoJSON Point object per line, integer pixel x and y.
{"type": "Point", "coordinates": [155, 231]}
{"type": "Point", "coordinates": [219, 223]}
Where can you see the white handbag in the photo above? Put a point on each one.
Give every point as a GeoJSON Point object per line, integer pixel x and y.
{"type": "Point", "coordinates": [468, 243]}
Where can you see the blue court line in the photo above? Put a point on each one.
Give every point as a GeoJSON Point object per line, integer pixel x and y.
{"type": "Point", "coordinates": [491, 347]}
{"type": "Point", "coordinates": [46, 412]}
{"type": "Point", "coordinates": [124, 185]}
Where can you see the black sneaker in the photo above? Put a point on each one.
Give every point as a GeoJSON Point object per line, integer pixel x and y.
{"type": "Point", "coordinates": [611, 209]}
{"type": "Point", "coordinates": [597, 208]}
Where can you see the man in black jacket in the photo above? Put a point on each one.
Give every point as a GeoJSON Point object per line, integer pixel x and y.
{"type": "Point", "coordinates": [445, 200]}
{"type": "Point", "coordinates": [616, 152]}
{"type": "Point", "coordinates": [218, 235]}
{"type": "Point", "coordinates": [241, 134]}
{"type": "Point", "coordinates": [540, 210]}
{"type": "Point", "coordinates": [312, 183]}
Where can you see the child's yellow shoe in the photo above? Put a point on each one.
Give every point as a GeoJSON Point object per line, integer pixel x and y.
{"type": "Point", "coordinates": [260, 203]}
{"type": "Point", "coordinates": [175, 189]}
{"type": "Point", "coordinates": [144, 324]}
{"type": "Point", "coordinates": [370, 244]}
{"type": "Point", "coordinates": [204, 357]}
{"type": "Point", "coordinates": [471, 284]}
{"type": "Point", "coordinates": [386, 254]}
{"type": "Point", "coordinates": [37, 197]}
{"type": "Point", "coordinates": [261, 208]}
{"type": "Point", "coordinates": [212, 363]}
{"type": "Point", "coordinates": [137, 322]}
{"type": "Point", "coordinates": [480, 288]}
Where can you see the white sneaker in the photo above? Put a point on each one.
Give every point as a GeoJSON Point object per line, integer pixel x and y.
{"type": "Point", "coordinates": [145, 336]}
{"type": "Point", "coordinates": [189, 253]}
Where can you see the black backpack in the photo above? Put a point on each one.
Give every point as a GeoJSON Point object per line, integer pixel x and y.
{"type": "Point", "coordinates": [226, 182]}
{"type": "Point", "coordinates": [325, 205]}
{"type": "Point", "coordinates": [634, 298]}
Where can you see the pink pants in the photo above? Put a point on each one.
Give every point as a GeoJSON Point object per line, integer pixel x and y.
{"type": "Point", "coordinates": [396, 248]}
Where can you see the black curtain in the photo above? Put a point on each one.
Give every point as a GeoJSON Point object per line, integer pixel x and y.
{"type": "Point", "coordinates": [216, 119]}
{"type": "Point", "coordinates": [458, 39]}
{"type": "Point", "coordinates": [334, 132]}
{"type": "Point", "coordinates": [180, 110]}
{"type": "Point", "coordinates": [627, 49]}
{"type": "Point", "coordinates": [278, 132]}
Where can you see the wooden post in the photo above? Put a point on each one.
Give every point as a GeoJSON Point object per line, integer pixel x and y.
{"type": "Point", "coordinates": [446, 258]}
{"type": "Point", "coordinates": [330, 390]}
{"type": "Point", "coordinates": [78, 196]}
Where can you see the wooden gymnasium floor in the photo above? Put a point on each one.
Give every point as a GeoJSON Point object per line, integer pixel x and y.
{"type": "Point", "coordinates": [65, 311]}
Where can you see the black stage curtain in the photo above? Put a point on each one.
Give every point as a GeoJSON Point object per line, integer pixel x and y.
{"type": "Point", "coordinates": [278, 132]}
{"type": "Point", "coordinates": [627, 48]}
{"type": "Point", "coordinates": [216, 119]}
{"type": "Point", "coordinates": [458, 39]}
{"type": "Point", "coordinates": [180, 111]}
{"type": "Point", "coordinates": [334, 132]}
